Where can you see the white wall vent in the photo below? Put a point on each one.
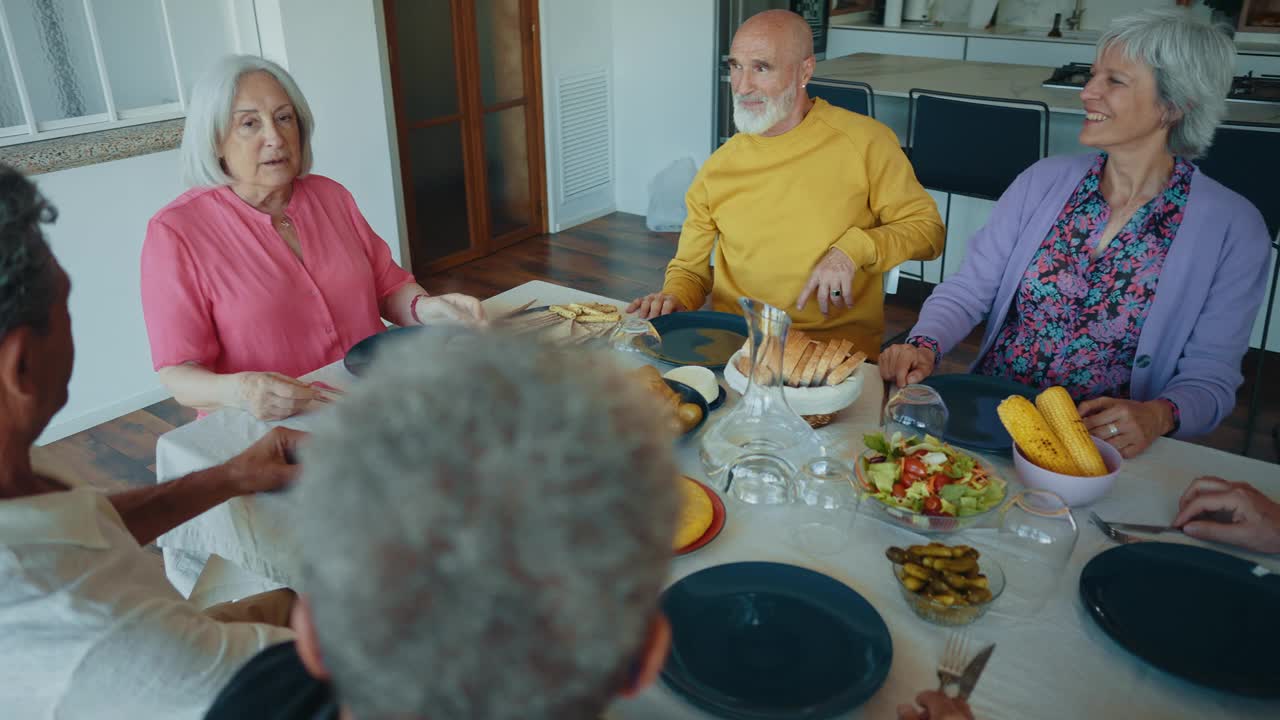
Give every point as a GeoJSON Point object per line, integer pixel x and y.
{"type": "Point", "coordinates": [585, 134]}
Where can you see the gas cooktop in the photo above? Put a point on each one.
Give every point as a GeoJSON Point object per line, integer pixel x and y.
{"type": "Point", "coordinates": [1244, 88]}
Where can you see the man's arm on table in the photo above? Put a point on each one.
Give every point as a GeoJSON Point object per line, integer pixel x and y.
{"type": "Point", "coordinates": [267, 465]}
{"type": "Point", "coordinates": [689, 272]}
{"type": "Point", "coordinates": [910, 227]}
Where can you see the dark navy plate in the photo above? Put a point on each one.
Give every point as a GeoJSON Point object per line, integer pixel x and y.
{"type": "Point", "coordinates": [715, 404]}
{"type": "Point", "coordinates": [1194, 612]}
{"type": "Point", "coordinates": [701, 337]}
{"type": "Point", "coordinates": [971, 400]}
{"type": "Point", "coordinates": [362, 354]}
{"type": "Point", "coordinates": [689, 395]}
{"type": "Point", "coordinates": [767, 641]}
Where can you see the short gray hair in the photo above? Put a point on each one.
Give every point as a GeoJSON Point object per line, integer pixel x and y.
{"type": "Point", "coordinates": [485, 528]}
{"type": "Point", "coordinates": [28, 284]}
{"type": "Point", "coordinates": [1193, 62]}
{"type": "Point", "coordinates": [209, 114]}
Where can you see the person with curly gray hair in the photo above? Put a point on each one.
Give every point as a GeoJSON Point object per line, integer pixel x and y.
{"type": "Point", "coordinates": [486, 528]}
{"type": "Point", "coordinates": [91, 626]}
{"type": "Point", "coordinates": [1128, 276]}
{"type": "Point", "coordinates": [264, 271]}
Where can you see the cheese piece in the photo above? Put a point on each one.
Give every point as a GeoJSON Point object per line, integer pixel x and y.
{"type": "Point", "coordinates": [698, 378]}
{"type": "Point", "coordinates": [696, 513]}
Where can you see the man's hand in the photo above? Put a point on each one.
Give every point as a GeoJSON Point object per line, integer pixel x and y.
{"type": "Point", "coordinates": [832, 280]}
{"type": "Point", "coordinates": [267, 465]}
{"type": "Point", "coordinates": [1130, 426]}
{"type": "Point", "coordinates": [1229, 512]}
{"type": "Point", "coordinates": [906, 364]}
{"type": "Point", "coordinates": [655, 304]}
{"type": "Point", "coordinates": [936, 706]}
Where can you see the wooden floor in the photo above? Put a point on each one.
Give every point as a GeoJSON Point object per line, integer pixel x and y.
{"type": "Point", "coordinates": [614, 256]}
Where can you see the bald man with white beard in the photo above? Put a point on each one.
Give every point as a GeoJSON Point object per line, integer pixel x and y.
{"type": "Point", "coordinates": [811, 203]}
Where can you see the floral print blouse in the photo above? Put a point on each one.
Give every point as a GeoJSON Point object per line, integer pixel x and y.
{"type": "Point", "coordinates": [1077, 316]}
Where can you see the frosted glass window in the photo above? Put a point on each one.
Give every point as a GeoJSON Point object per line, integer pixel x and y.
{"type": "Point", "coordinates": [135, 48]}
{"type": "Point", "coordinates": [55, 52]}
{"type": "Point", "coordinates": [10, 103]}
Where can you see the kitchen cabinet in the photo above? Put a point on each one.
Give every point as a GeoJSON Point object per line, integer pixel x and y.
{"type": "Point", "coordinates": [1028, 52]}
{"type": "Point", "coordinates": [1257, 64]}
{"type": "Point", "coordinates": [845, 41]}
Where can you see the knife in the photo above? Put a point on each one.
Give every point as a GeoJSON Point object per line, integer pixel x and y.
{"type": "Point", "coordinates": [1137, 527]}
{"type": "Point", "coordinates": [969, 678]}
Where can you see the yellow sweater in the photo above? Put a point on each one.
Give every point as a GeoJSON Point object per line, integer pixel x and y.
{"type": "Point", "coordinates": [778, 204]}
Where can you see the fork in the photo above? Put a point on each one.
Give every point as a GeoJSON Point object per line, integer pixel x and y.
{"type": "Point", "coordinates": [955, 655]}
{"type": "Point", "coordinates": [1123, 538]}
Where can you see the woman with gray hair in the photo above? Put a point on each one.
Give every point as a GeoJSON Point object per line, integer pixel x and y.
{"type": "Point", "coordinates": [263, 272]}
{"type": "Point", "coordinates": [1127, 277]}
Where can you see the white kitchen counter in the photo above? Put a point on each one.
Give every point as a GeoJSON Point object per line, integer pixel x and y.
{"type": "Point", "coordinates": [1017, 32]}
{"type": "Point", "coordinates": [896, 75]}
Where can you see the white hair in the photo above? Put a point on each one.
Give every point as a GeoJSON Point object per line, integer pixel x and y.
{"type": "Point", "coordinates": [485, 527]}
{"type": "Point", "coordinates": [1193, 63]}
{"type": "Point", "coordinates": [209, 115]}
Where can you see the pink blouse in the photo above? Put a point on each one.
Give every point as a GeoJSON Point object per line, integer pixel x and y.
{"type": "Point", "coordinates": [221, 288]}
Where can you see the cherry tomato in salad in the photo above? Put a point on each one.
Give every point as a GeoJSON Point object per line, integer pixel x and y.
{"type": "Point", "coordinates": [938, 480]}
{"type": "Point", "coordinates": [899, 490]}
{"type": "Point", "coordinates": [932, 506]}
{"type": "Point", "coordinates": [912, 470]}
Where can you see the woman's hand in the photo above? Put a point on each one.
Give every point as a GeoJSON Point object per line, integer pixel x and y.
{"type": "Point", "coordinates": [1129, 425]}
{"type": "Point", "coordinates": [450, 308]}
{"type": "Point", "coordinates": [1229, 512]}
{"type": "Point", "coordinates": [906, 364]}
{"type": "Point", "coordinates": [271, 395]}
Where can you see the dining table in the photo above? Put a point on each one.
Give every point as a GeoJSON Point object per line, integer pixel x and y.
{"type": "Point", "coordinates": [1054, 663]}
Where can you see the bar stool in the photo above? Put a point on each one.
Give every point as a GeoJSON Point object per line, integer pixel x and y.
{"type": "Point", "coordinates": [971, 145]}
{"type": "Point", "coordinates": [848, 94]}
{"type": "Point", "coordinates": [1244, 157]}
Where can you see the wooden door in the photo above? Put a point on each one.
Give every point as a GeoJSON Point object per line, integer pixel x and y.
{"type": "Point", "coordinates": [466, 81]}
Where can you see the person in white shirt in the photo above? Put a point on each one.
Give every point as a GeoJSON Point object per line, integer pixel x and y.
{"type": "Point", "coordinates": [89, 625]}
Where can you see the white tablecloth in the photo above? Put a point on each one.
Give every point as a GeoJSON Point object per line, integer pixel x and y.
{"type": "Point", "coordinates": [1057, 665]}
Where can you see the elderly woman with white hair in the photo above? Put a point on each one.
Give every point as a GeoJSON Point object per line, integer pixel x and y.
{"type": "Point", "coordinates": [1127, 277]}
{"type": "Point", "coordinates": [262, 271]}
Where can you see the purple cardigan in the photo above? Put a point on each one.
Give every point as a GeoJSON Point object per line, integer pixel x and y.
{"type": "Point", "coordinates": [1198, 324]}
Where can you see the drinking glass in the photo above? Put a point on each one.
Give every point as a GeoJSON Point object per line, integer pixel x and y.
{"type": "Point", "coordinates": [761, 479]}
{"type": "Point", "coordinates": [1037, 536]}
{"type": "Point", "coordinates": [915, 410]}
{"type": "Point", "coordinates": [826, 506]}
{"type": "Point", "coordinates": [635, 335]}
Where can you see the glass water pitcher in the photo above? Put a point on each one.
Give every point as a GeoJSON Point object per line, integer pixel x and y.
{"type": "Point", "coordinates": [761, 424]}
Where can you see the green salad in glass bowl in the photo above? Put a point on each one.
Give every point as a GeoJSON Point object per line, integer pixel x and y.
{"type": "Point", "coordinates": [927, 485]}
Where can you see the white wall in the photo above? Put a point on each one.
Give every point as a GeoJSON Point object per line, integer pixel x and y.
{"type": "Point", "coordinates": [577, 37]}
{"type": "Point", "coordinates": [102, 218]}
{"type": "Point", "coordinates": [104, 208]}
{"type": "Point", "coordinates": [333, 49]}
{"type": "Point", "coordinates": [663, 60]}
{"type": "Point", "coordinates": [662, 55]}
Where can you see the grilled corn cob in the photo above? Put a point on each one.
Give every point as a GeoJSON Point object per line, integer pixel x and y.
{"type": "Point", "coordinates": [1034, 437]}
{"type": "Point", "coordinates": [1064, 420]}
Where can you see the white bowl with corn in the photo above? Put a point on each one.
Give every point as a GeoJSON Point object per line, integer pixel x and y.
{"type": "Point", "coordinates": [1052, 449]}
